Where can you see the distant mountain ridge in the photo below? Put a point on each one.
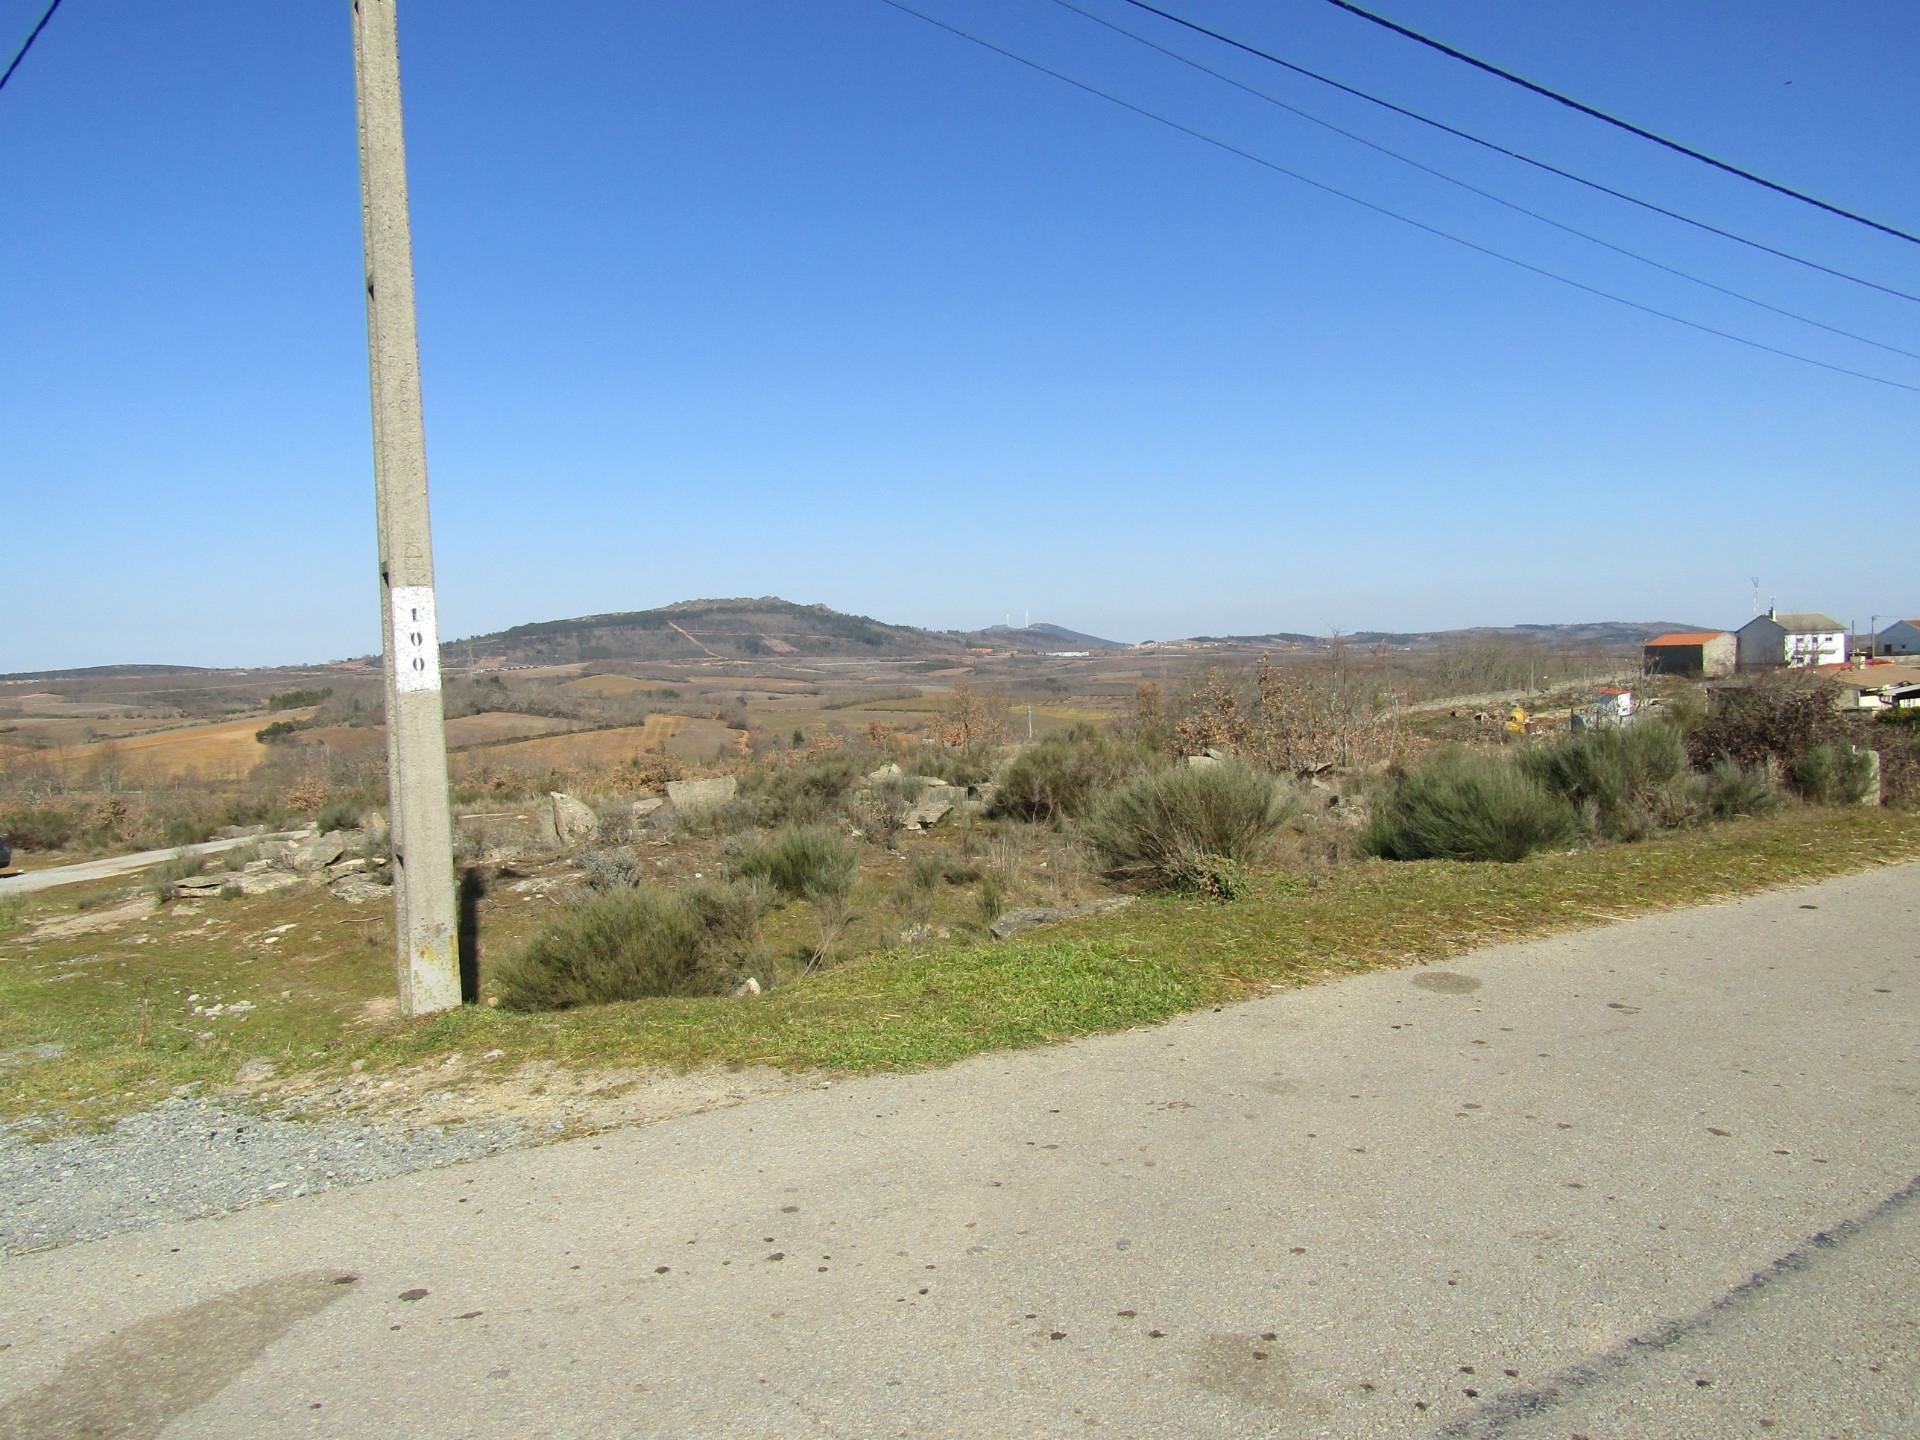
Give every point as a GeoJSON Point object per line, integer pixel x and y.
{"type": "Point", "coordinates": [1043, 636]}
{"type": "Point", "coordinates": [768, 628]}
{"type": "Point", "coordinates": [1579, 635]}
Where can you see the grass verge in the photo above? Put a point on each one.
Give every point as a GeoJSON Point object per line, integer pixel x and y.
{"type": "Point", "coordinates": [128, 1034]}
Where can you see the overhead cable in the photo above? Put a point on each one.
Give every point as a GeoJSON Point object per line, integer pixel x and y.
{"type": "Point", "coordinates": [1619, 124]}
{"type": "Point", "coordinates": [1513, 154]}
{"type": "Point", "coordinates": [1473, 245]}
{"type": "Point", "coordinates": [1439, 174]}
{"type": "Point", "coordinates": [27, 44]}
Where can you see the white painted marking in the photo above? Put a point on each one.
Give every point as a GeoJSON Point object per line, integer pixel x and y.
{"type": "Point", "coordinates": [416, 639]}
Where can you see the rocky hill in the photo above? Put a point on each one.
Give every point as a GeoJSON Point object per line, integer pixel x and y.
{"type": "Point", "coordinates": [738, 629]}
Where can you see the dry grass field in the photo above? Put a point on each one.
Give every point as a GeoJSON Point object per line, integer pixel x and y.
{"type": "Point", "coordinates": [678, 735]}
{"type": "Point", "coordinates": [225, 750]}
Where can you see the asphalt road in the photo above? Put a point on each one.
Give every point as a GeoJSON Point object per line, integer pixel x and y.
{"type": "Point", "coordinates": [1654, 1180]}
{"type": "Point", "coordinates": [24, 882]}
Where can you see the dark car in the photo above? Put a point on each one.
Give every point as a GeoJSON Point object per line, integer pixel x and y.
{"type": "Point", "coordinates": [6, 855]}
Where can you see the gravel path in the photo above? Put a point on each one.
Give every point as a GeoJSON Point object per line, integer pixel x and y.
{"type": "Point", "coordinates": [188, 1157]}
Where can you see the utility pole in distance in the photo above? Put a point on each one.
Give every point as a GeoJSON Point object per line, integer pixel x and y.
{"type": "Point", "coordinates": [421, 829]}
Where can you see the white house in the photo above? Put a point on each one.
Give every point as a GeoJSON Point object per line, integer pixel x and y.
{"type": "Point", "coordinates": [1877, 686]}
{"type": "Point", "coordinates": [1799, 638]}
{"type": "Point", "coordinates": [1902, 637]}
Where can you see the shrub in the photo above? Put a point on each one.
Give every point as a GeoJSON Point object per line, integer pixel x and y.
{"type": "Point", "coordinates": [339, 813]}
{"type": "Point", "coordinates": [1834, 774]}
{"type": "Point", "coordinates": [1466, 806]}
{"type": "Point", "coordinates": [954, 764]}
{"type": "Point", "coordinates": [1778, 717]}
{"type": "Point", "coordinates": [38, 828]}
{"type": "Point", "coordinates": [802, 862]}
{"type": "Point", "coordinates": [1214, 876]}
{"type": "Point", "coordinates": [1730, 788]}
{"type": "Point", "coordinates": [622, 944]}
{"type": "Point", "coordinates": [800, 794]}
{"type": "Point", "coordinates": [889, 802]}
{"type": "Point", "coordinates": [1173, 826]}
{"type": "Point", "coordinates": [1625, 781]}
{"type": "Point", "coordinates": [1062, 775]}
{"type": "Point", "coordinates": [612, 867]}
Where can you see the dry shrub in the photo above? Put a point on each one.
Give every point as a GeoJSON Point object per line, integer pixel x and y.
{"type": "Point", "coordinates": [306, 794]}
{"type": "Point", "coordinates": [1298, 720]}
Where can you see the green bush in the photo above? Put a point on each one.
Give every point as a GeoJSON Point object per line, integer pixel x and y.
{"type": "Point", "coordinates": [1466, 806]}
{"type": "Point", "coordinates": [41, 827]}
{"type": "Point", "coordinates": [627, 943]}
{"type": "Point", "coordinates": [799, 794]}
{"type": "Point", "coordinates": [1730, 788]}
{"type": "Point", "coordinates": [338, 813]}
{"type": "Point", "coordinates": [1832, 775]}
{"type": "Point", "coordinates": [1171, 827]}
{"type": "Point", "coordinates": [802, 862]}
{"type": "Point", "coordinates": [1063, 775]}
{"type": "Point", "coordinates": [1624, 781]}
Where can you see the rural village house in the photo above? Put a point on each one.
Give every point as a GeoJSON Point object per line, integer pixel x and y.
{"type": "Point", "coordinates": [1708, 653]}
{"type": "Point", "coordinates": [1797, 638]}
{"type": "Point", "coordinates": [1902, 637]}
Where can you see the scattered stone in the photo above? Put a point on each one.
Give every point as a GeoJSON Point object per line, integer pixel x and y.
{"type": "Point", "coordinates": [565, 821]}
{"type": "Point", "coordinates": [921, 934]}
{"type": "Point", "coordinates": [1206, 758]}
{"type": "Point", "coordinates": [934, 804]}
{"type": "Point", "coordinates": [27, 1054]}
{"type": "Point", "coordinates": [374, 823]}
{"type": "Point", "coordinates": [646, 805]}
{"type": "Point", "coordinates": [254, 1072]}
{"type": "Point", "coordinates": [1029, 917]}
{"type": "Point", "coordinates": [925, 814]}
{"type": "Point", "coordinates": [311, 856]}
{"type": "Point", "coordinates": [358, 890]}
{"type": "Point", "coordinates": [350, 866]}
{"type": "Point", "coordinates": [692, 797]}
{"type": "Point", "coordinates": [238, 832]}
{"type": "Point", "coordinates": [888, 771]}
{"type": "Point", "coordinates": [749, 986]}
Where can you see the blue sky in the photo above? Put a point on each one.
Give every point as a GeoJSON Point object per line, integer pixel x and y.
{"type": "Point", "coordinates": [812, 299]}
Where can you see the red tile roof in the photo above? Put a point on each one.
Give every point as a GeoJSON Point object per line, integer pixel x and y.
{"type": "Point", "coordinates": [1686, 637]}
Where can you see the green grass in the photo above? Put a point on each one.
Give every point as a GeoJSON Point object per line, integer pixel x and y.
{"type": "Point", "coordinates": [894, 1009]}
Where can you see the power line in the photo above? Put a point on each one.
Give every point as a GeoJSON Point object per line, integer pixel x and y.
{"type": "Point", "coordinates": [1473, 245]}
{"type": "Point", "coordinates": [1618, 123]}
{"type": "Point", "coordinates": [1513, 154]}
{"type": "Point", "coordinates": [1484, 194]}
{"type": "Point", "coordinates": [27, 44]}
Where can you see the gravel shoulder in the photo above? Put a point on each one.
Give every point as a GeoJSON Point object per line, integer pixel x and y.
{"type": "Point", "coordinates": [194, 1155]}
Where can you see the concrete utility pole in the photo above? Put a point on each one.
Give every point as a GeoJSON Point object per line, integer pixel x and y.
{"type": "Point", "coordinates": [421, 829]}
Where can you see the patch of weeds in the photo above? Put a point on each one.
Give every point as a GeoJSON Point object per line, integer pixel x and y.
{"type": "Point", "coordinates": [802, 862]}
{"type": "Point", "coordinates": [163, 880]}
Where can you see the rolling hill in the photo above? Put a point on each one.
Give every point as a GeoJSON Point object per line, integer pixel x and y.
{"type": "Point", "coordinates": [737, 629]}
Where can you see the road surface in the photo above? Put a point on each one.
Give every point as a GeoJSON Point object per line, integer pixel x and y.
{"type": "Point", "coordinates": [24, 882]}
{"type": "Point", "coordinates": [1656, 1180]}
